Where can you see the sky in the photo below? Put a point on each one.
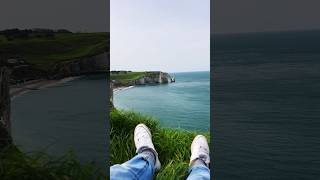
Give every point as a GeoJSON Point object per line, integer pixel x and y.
{"type": "Point", "coordinates": [236, 16]}
{"type": "Point", "coordinates": [170, 35]}
{"type": "Point", "coordinates": [164, 35]}
{"type": "Point", "coordinates": [74, 15]}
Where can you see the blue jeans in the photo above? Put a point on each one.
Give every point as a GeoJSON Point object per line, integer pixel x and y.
{"type": "Point", "coordinates": [141, 167]}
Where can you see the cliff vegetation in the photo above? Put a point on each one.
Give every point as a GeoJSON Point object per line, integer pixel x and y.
{"type": "Point", "coordinates": [124, 78]}
{"type": "Point", "coordinates": [43, 50]}
{"type": "Point", "coordinates": [15, 164]}
{"type": "Point", "coordinates": [46, 54]}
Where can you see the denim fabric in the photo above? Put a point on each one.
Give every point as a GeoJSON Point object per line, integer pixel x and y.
{"type": "Point", "coordinates": [141, 167]}
{"type": "Point", "coordinates": [199, 172]}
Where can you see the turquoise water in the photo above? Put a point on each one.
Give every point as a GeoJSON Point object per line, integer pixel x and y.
{"type": "Point", "coordinates": [184, 104]}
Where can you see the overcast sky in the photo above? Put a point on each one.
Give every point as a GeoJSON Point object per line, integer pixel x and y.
{"type": "Point", "coordinates": [75, 15]}
{"type": "Point", "coordinates": [234, 16]}
{"type": "Point", "coordinates": [166, 35]}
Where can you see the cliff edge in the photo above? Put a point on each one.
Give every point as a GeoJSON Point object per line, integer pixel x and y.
{"type": "Point", "coordinates": [5, 125]}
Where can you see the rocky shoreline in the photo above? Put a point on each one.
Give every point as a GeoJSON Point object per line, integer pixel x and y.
{"type": "Point", "coordinates": [17, 90]}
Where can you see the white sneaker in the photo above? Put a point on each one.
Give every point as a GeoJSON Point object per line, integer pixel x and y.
{"type": "Point", "coordinates": [143, 139]}
{"type": "Point", "coordinates": [200, 150]}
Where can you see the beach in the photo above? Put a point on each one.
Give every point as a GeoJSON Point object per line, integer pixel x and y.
{"type": "Point", "coordinates": [17, 90]}
{"type": "Point", "coordinates": [122, 88]}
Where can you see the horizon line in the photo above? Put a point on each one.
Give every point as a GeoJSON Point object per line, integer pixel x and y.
{"type": "Point", "coordinates": [164, 71]}
{"type": "Point", "coordinates": [264, 32]}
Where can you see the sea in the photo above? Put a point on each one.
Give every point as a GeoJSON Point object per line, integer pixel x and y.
{"type": "Point", "coordinates": [67, 117]}
{"type": "Point", "coordinates": [184, 104]}
{"type": "Point", "coordinates": [266, 105]}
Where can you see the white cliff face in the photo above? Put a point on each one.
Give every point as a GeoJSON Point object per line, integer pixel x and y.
{"type": "Point", "coordinates": [86, 65]}
{"type": "Point", "coordinates": [140, 81]}
{"type": "Point", "coordinates": [154, 77]}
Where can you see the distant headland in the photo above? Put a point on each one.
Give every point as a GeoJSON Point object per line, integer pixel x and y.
{"type": "Point", "coordinates": [121, 80]}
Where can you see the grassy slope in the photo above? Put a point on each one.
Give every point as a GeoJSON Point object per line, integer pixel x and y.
{"type": "Point", "coordinates": [15, 164]}
{"type": "Point", "coordinates": [44, 52]}
{"type": "Point", "coordinates": [127, 77]}
{"type": "Point", "coordinates": [172, 145]}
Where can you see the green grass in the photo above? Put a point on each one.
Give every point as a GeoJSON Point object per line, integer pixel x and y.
{"type": "Point", "coordinates": [44, 52]}
{"type": "Point", "coordinates": [172, 145]}
{"type": "Point", "coordinates": [125, 78]}
{"type": "Point", "coordinates": [15, 164]}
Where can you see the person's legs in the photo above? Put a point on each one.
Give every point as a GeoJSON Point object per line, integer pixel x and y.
{"type": "Point", "coordinates": [143, 165]}
{"type": "Point", "coordinates": [199, 171]}
{"type": "Point", "coordinates": [200, 159]}
{"type": "Point", "coordinates": [139, 167]}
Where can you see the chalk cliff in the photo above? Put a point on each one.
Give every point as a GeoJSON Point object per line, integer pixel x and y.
{"type": "Point", "coordinates": [81, 66]}
{"type": "Point", "coordinates": [154, 77]}
{"type": "Point", "coordinates": [22, 71]}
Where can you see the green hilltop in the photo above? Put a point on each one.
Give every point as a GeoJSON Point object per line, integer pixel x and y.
{"type": "Point", "coordinates": [44, 49]}
{"type": "Point", "coordinates": [126, 77]}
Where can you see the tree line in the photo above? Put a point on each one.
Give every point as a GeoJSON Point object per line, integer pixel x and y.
{"type": "Point", "coordinates": [16, 33]}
